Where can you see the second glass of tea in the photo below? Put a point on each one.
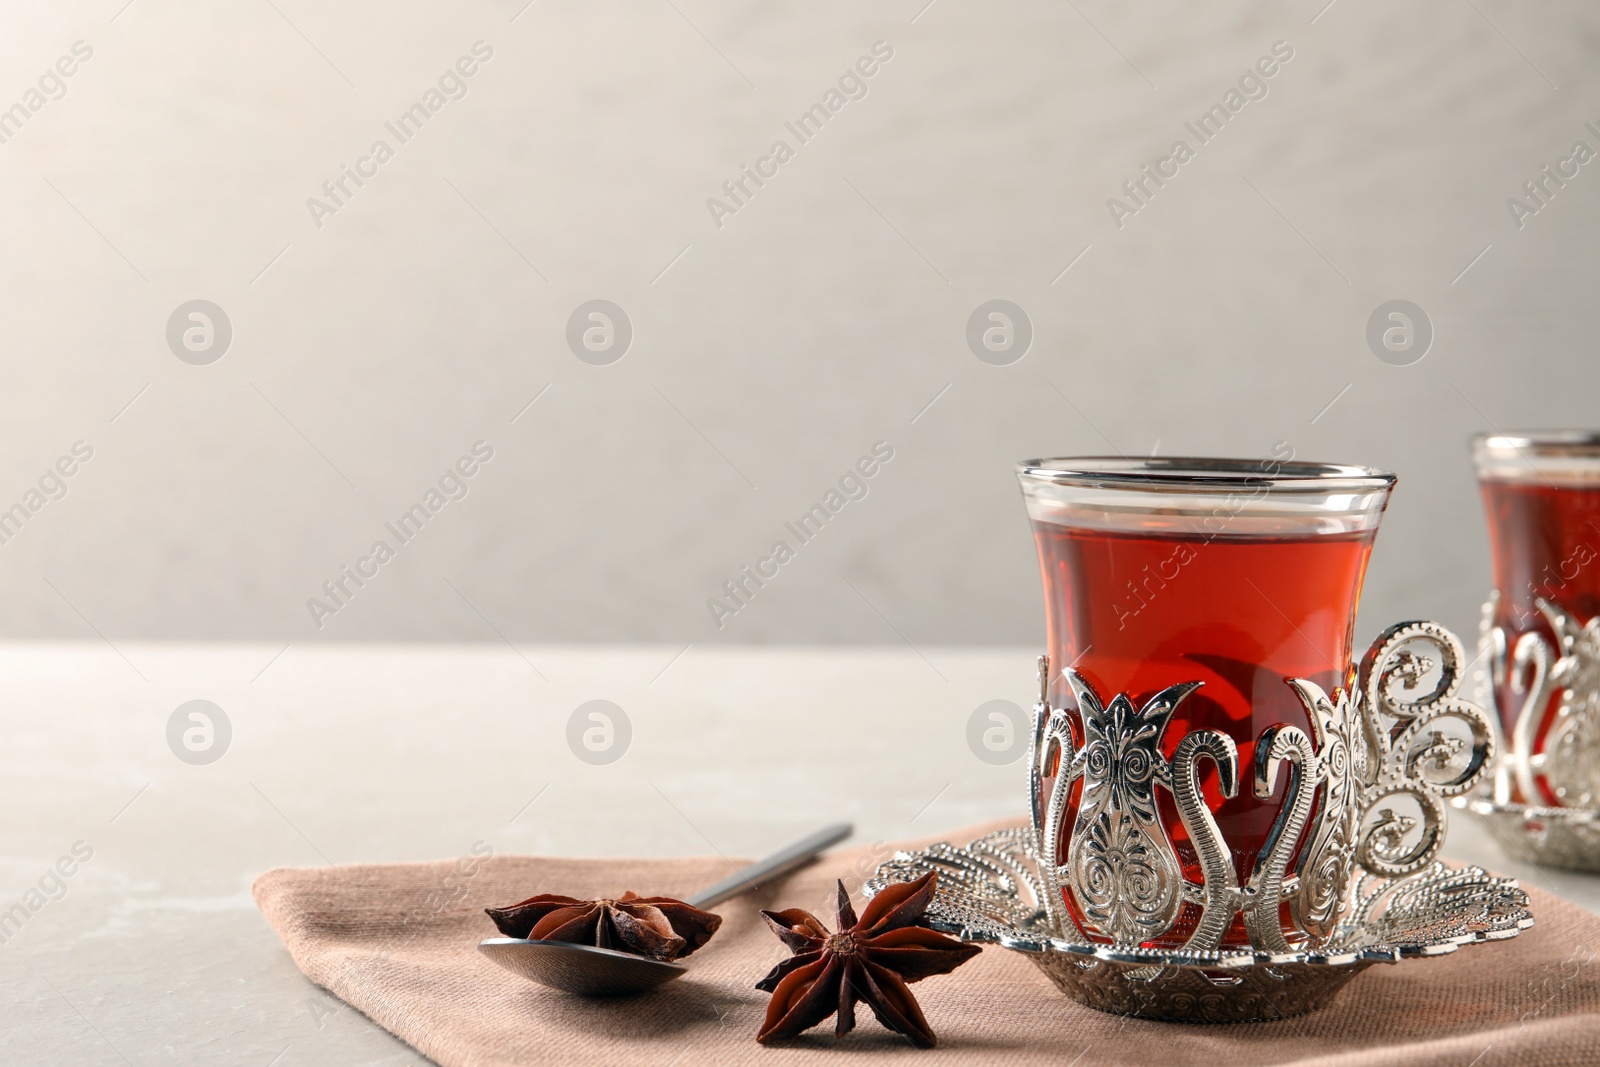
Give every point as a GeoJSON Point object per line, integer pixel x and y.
{"type": "Point", "coordinates": [1541, 491]}
{"type": "Point", "coordinates": [1240, 574]}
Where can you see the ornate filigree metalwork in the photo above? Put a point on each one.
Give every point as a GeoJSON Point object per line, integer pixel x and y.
{"type": "Point", "coordinates": [1361, 819]}
{"type": "Point", "coordinates": [1415, 759]}
{"type": "Point", "coordinates": [1372, 752]}
{"type": "Point", "coordinates": [1570, 761]}
{"type": "Point", "coordinates": [1566, 834]}
{"type": "Point", "coordinates": [1121, 865]}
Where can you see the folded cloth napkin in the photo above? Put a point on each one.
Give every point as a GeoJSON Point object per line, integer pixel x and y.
{"type": "Point", "coordinates": [399, 943]}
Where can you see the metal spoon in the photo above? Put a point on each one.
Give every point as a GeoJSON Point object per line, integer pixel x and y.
{"type": "Point", "coordinates": [604, 972]}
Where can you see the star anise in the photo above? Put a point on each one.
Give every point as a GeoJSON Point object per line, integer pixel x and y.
{"type": "Point", "coordinates": [659, 927]}
{"type": "Point", "coordinates": [871, 960]}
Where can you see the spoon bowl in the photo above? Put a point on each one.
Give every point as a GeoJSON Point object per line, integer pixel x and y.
{"type": "Point", "coordinates": [581, 969]}
{"type": "Point", "coordinates": [602, 972]}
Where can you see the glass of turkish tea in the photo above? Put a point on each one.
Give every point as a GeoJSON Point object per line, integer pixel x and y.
{"type": "Point", "coordinates": [1239, 574]}
{"type": "Point", "coordinates": [1541, 491]}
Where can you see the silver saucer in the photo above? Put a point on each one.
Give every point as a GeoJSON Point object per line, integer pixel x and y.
{"type": "Point", "coordinates": [989, 893]}
{"type": "Point", "coordinates": [1551, 837]}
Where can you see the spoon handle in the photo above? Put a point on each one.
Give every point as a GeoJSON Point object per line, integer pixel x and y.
{"type": "Point", "coordinates": [780, 862]}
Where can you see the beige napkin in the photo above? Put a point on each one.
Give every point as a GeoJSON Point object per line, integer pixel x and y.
{"type": "Point", "coordinates": [399, 942]}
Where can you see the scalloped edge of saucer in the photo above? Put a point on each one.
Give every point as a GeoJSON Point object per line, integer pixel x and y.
{"type": "Point", "coordinates": [1520, 919]}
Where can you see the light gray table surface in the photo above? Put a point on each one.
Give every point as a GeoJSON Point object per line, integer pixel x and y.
{"type": "Point", "coordinates": [155, 953]}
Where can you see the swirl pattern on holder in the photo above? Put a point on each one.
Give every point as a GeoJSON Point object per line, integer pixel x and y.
{"type": "Point", "coordinates": [1118, 882]}
{"type": "Point", "coordinates": [1574, 745]}
{"type": "Point", "coordinates": [1121, 866]}
{"type": "Point", "coordinates": [1325, 865]}
{"type": "Point", "coordinates": [1412, 759]}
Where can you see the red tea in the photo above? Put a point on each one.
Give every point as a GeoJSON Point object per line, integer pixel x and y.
{"type": "Point", "coordinates": [1136, 612]}
{"type": "Point", "coordinates": [1546, 544]}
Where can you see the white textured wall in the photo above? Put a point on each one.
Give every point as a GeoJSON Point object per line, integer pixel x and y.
{"type": "Point", "coordinates": [775, 350]}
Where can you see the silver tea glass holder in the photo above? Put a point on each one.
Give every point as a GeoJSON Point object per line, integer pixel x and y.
{"type": "Point", "coordinates": [1564, 834]}
{"type": "Point", "coordinates": [1352, 852]}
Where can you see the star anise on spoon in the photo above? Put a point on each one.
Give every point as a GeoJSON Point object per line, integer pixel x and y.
{"type": "Point", "coordinates": [661, 928]}
{"type": "Point", "coordinates": [870, 959]}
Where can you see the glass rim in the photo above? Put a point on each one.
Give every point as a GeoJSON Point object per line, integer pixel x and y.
{"type": "Point", "coordinates": [1200, 474]}
{"type": "Point", "coordinates": [1573, 443]}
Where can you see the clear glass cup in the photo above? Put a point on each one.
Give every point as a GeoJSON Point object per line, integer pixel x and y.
{"type": "Point", "coordinates": [1239, 574]}
{"type": "Point", "coordinates": [1541, 493]}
